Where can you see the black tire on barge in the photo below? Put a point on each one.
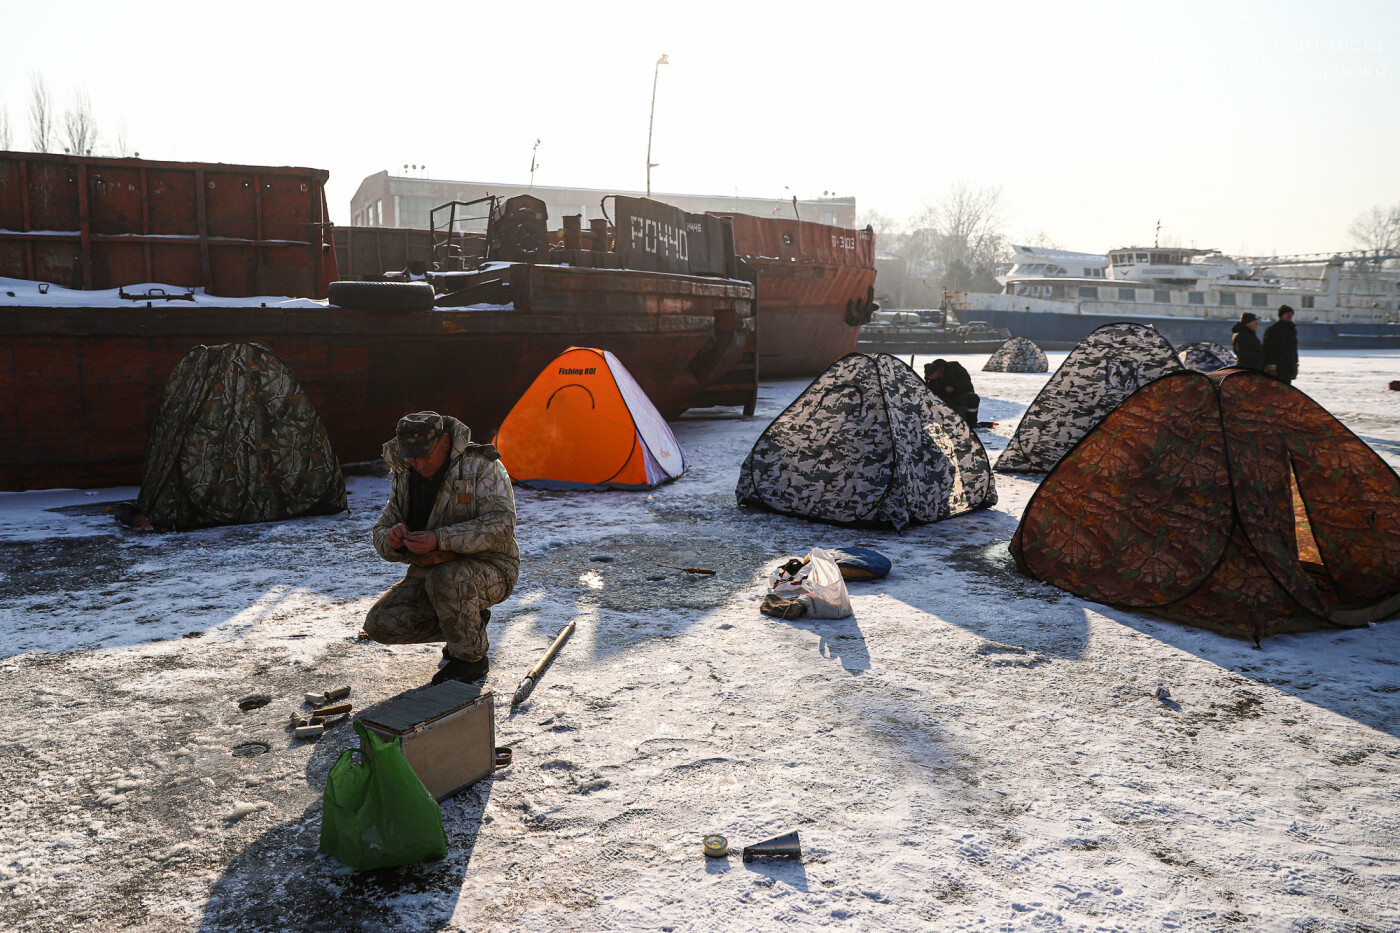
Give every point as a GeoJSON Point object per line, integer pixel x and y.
{"type": "Point", "coordinates": [382, 296]}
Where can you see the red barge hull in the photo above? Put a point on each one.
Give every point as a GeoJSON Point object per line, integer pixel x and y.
{"type": "Point", "coordinates": [79, 386]}
{"type": "Point", "coordinates": [808, 276]}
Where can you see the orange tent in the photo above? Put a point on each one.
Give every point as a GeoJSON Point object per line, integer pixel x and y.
{"type": "Point", "coordinates": [585, 423]}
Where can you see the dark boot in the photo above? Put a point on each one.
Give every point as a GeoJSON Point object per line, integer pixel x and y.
{"type": "Point", "coordinates": [465, 671]}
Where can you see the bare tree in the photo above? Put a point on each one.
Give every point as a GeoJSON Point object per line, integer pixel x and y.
{"type": "Point", "coordinates": [960, 231]}
{"type": "Point", "coordinates": [122, 146]}
{"type": "Point", "coordinates": [41, 115]}
{"type": "Point", "coordinates": [1377, 229]}
{"type": "Point", "coordinates": [1041, 239]}
{"type": "Point", "coordinates": [79, 127]}
{"type": "Point", "coordinates": [4, 127]}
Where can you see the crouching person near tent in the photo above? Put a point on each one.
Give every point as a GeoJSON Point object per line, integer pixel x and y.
{"type": "Point", "coordinates": [951, 382]}
{"type": "Point", "coordinates": [451, 517]}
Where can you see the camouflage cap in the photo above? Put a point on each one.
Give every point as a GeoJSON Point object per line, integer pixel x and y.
{"type": "Point", "coordinates": [417, 432]}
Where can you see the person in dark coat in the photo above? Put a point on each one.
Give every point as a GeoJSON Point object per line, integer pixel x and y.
{"type": "Point", "coordinates": [951, 382]}
{"type": "Point", "coordinates": [1281, 346]}
{"type": "Point", "coordinates": [1249, 352]}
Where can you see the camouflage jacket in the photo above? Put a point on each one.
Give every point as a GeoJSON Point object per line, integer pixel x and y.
{"type": "Point", "coordinates": [474, 513]}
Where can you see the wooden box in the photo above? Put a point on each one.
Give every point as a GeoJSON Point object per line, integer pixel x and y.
{"type": "Point", "coordinates": [447, 734]}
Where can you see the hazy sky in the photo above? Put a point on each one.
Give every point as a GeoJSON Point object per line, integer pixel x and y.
{"type": "Point", "coordinates": [1252, 127]}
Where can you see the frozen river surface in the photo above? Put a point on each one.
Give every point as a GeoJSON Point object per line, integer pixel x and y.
{"type": "Point", "coordinates": [972, 751]}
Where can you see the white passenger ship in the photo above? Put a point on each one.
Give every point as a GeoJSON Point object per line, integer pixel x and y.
{"type": "Point", "coordinates": [1056, 297]}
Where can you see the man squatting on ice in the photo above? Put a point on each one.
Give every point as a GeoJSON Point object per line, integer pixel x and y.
{"type": "Point", "coordinates": [451, 518]}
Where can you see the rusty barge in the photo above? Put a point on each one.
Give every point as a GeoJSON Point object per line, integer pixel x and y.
{"type": "Point", "coordinates": [816, 287]}
{"type": "Point", "coordinates": [88, 341]}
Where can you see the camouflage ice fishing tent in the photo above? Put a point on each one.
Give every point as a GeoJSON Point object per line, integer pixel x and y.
{"type": "Point", "coordinates": [1231, 501]}
{"type": "Point", "coordinates": [1017, 355]}
{"type": "Point", "coordinates": [868, 442]}
{"type": "Point", "coordinates": [1106, 367]}
{"type": "Point", "coordinates": [236, 440]}
{"type": "Point", "coordinates": [1205, 356]}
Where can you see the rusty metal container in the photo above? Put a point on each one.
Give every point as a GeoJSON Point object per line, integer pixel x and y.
{"type": "Point", "coordinates": [234, 230]}
{"type": "Point", "coordinates": [809, 275]}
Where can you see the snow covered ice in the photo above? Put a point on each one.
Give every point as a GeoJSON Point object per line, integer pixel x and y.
{"type": "Point", "coordinates": [974, 750]}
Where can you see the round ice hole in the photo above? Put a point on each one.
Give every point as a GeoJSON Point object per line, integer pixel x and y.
{"type": "Point", "coordinates": [256, 701]}
{"type": "Point", "coordinates": [250, 749]}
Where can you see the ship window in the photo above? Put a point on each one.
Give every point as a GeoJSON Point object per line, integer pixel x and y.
{"type": "Point", "coordinates": [1088, 291]}
{"type": "Point", "coordinates": [1127, 294]}
{"type": "Point", "coordinates": [1227, 299]}
{"type": "Point", "coordinates": [1161, 258]}
{"type": "Point", "coordinates": [1195, 298]}
{"type": "Point", "coordinates": [1142, 257]}
{"type": "Point", "coordinates": [1307, 301]}
{"type": "Point", "coordinates": [1161, 296]}
{"type": "Point", "coordinates": [1259, 301]}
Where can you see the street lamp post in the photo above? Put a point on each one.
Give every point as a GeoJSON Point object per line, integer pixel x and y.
{"type": "Point", "coordinates": [651, 120]}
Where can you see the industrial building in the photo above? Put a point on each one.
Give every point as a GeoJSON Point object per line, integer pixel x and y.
{"type": "Point", "coordinates": [385, 200]}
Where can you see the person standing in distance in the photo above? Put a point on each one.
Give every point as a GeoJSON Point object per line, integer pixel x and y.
{"type": "Point", "coordinates": [1281, 346]}
{"type": "Point", "coordinates": [1249, 352]}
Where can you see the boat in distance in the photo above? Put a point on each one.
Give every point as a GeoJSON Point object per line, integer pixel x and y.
{"type": "Point", "coordinates": [1057, 297]}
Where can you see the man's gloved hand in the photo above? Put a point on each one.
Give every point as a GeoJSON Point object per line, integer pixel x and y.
{"type": "Point", "coordinates": [1272, 370]}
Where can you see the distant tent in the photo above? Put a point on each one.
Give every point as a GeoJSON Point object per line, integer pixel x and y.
{"type": "Point", "coordinates": [236, 440]}
{"type": "Point", "coordinates": [868, 442]}
{"type": "Point", "coordinates": [1205, 356]}
{"type": "Point", "coordinates": [585, 423]}
{"type": "Point", "coordinates": [1230, 501]}
{"type": "Point", "coordinates": [1106, 367]}
{"type": "Point", "coordinates": [1017, 355]}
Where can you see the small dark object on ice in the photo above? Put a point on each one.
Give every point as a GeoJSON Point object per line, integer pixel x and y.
{"type": "Point", "coordinates": [327, 696]}
{"type": "Point", "coordinates": [256, 701]}
{"type": "Point", "coordinates": [784, 846]}
{"type": "Point", "coordinates": [782, 607]}
{"type": "Point", "coordinates": [127, 515]}
{"type": "Point", "coordinates": [710, 573]}
{"type": "Point", "coordinates": [1163, 694]}
{"type": "Point", "coordinates": [1395, 385]}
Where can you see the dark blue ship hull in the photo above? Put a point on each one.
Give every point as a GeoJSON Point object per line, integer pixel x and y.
{"type": "Point", "coordinates": [1055, 331]}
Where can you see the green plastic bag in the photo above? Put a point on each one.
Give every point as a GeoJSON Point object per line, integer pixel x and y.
{"type": "Point", "coordinates": [376, 812]}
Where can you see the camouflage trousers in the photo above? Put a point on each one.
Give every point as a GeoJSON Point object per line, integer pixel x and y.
{"type": "Point", "coordinates": [441, 603]}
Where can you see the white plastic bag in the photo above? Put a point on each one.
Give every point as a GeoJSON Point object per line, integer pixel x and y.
{"type": "Point", "coordinates": [821, 580]}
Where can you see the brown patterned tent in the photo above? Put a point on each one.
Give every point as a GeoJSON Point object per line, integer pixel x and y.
{"type": "Point", "coordinates": [236, 440]}
{"type": "Point", "coordinates": [1231, 501]}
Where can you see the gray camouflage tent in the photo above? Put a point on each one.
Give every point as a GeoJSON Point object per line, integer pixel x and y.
{"type": "Point", "coordinates": [1106, 367]}
{"type": "Point", "coordinates": [867, 442]}
{"type": "Point", "coordinates": [1205, 356]}
{"type": "Point", "coordinates": [236, 440]}
{"type": "Point", "coordinates": [1017, 355]}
